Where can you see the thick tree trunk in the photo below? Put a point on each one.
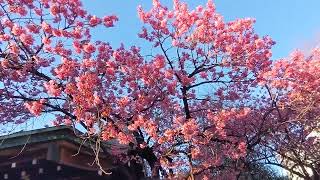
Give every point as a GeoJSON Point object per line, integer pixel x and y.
{"type": "Point", "coordinates": [145, 153]}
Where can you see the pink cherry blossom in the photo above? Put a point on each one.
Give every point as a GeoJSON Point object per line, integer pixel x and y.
{"type": "Point", "coordinates": [34, 107]}
{"type": "Point", "coordinates": [53, 88]}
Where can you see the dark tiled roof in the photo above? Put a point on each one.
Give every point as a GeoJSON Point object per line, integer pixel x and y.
{"type": "Point", "coordinates": [38, 136]}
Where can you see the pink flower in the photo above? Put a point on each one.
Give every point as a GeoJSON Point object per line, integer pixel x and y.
{"type": "Point", "coordinates": [123, 102]}
{"type": "Point", "coordinates": [168, 74]}
{"type": "Point", "coordinates": [132, 127]}
{"type": "Point", "coordinates": [108, 21]}
{"type": "Point", "coordinates": [89, 48]}
{"type": "Point", "coordinates": [175, 43]}
{"type": "Point", "coordinates": [67, 121]}
{"type": "Point", "coordinates": [151, 128]}
{"type": "Point", "coordinates": [21, 10]}
{"type": "Point", "coordinates": [124, 138]}
{"type": "Point", "coordinates": [55, 10]}
{"type": "Point", "coordinates": [189, 129]}
{"type": "Point", "coordinates": [163, 23]}
{"type": "Point", "coordinates": [66, 69]}
{"type": "Point", "coordinates": [46, 27]}
{"type": "Point", "coordinates": [109, 132]}
{"type": "Point", "coordinates": [33, 28]}
{"type": "Point", "coordinates": [17, 30]}
{"type": "Point", "coordinates": [195, 152]}
{"type": "Point", "coordinates": [35, 107]}
{"type": "Point", "coordinates": [169, 134]}
{"type": "Point", "coordinates": [94, 21]}
{"type": "Point", "coordinates": [5, 37]}
{"type": "Point", "coordinates": [178, 120]}
{"type": "Point", "coordinates": [259, 43]}
{"type": "Point", "coordinates": [76, 33]}
{"type": "Point", "coordinates": [141, 14]}
{"type": "Point", "coordinates": [110, 71]}
{"type": "Point", "coordinates": [46, 41]}
{"type": "Point", "coordinates": [56, 32]}
{"type": "Point", "coordinates": [97, 100]}
{"type": "Point", "coordinates": [242, 147]}
{"type": "Point", "coordinates": [160, 62]}
{"type": "Point", "coordinates": [27, 39]}
{"type": "Point", "coordinates": [52, 88]}
{"type": "Point", "coordinates": [38, 11]}
{"type": "Point", "coordinates": [7, 23]}
{"type": "Point", "coordinates": [203, 75]}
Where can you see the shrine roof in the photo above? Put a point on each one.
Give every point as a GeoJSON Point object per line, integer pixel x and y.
{"type": "Point", "coordinates": [39, 136]}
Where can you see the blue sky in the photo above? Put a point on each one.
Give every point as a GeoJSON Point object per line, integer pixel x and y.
{"type": "Point", "coordinates": [291, 23]}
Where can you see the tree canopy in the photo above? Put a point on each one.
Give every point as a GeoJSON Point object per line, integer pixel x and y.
{"type": "Point", "coordinates": [208, 104]}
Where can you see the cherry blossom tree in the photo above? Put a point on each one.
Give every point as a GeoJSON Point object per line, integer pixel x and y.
{"type": "Point", "coordinates": [180, 111]}
{"type": "Point", "coordinates": [294, 83]}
